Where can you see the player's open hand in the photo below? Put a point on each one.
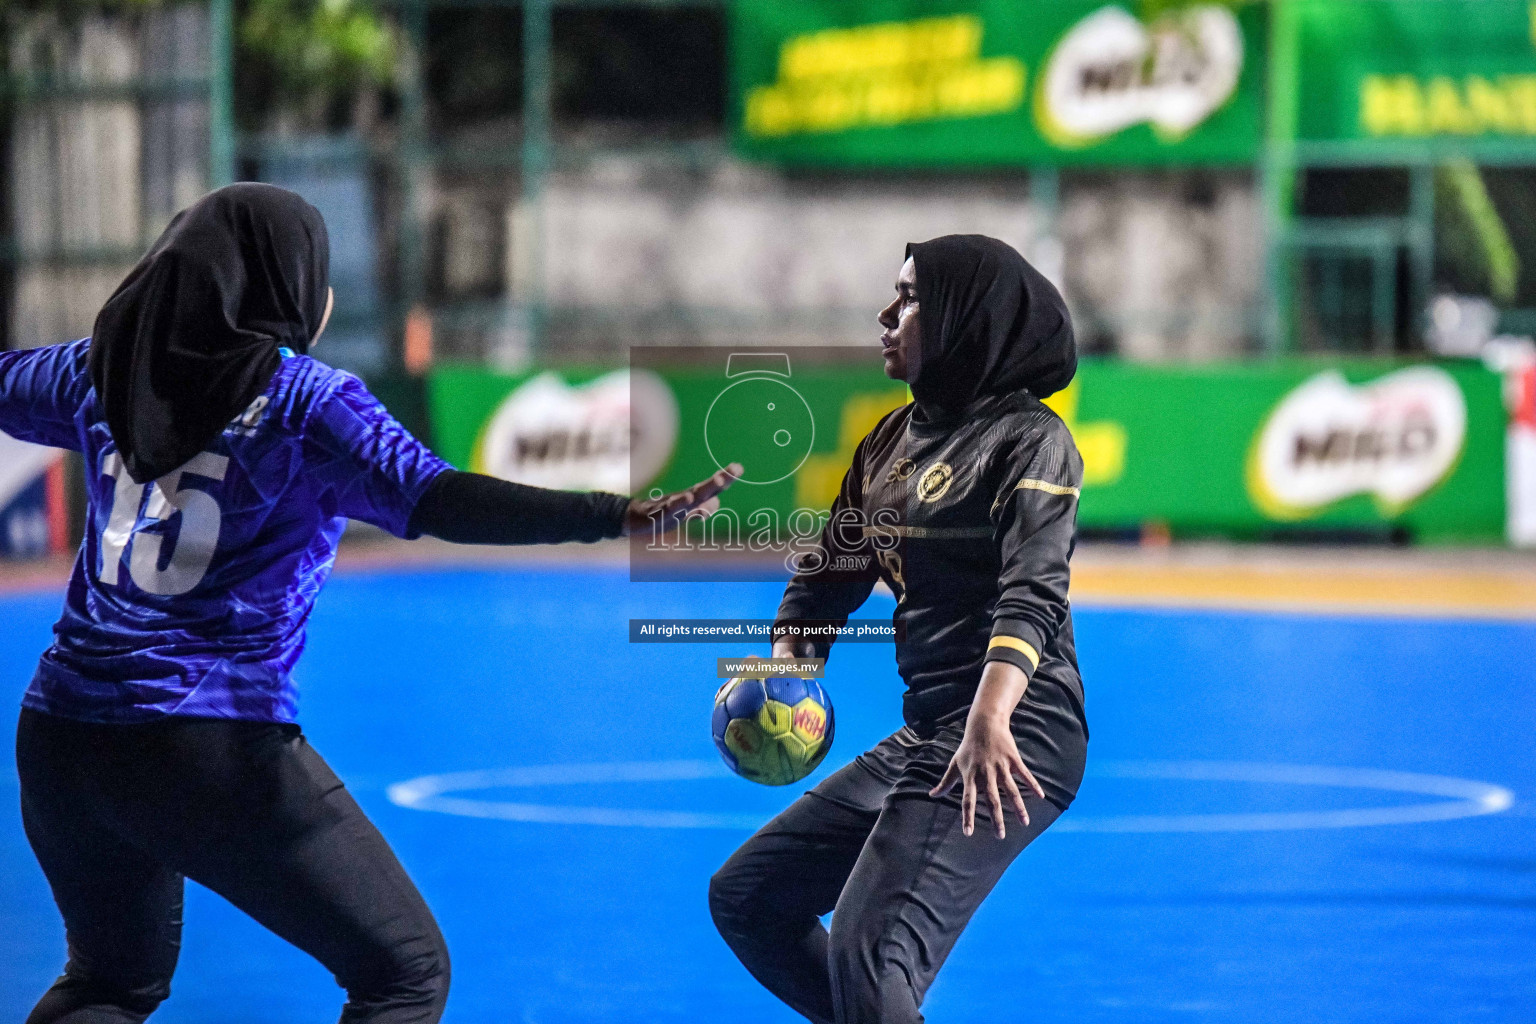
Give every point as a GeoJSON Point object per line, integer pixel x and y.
{"type": "Point", "coordinates": [667, 511]}
{"type": "Point", "coordinates": [988, 761]}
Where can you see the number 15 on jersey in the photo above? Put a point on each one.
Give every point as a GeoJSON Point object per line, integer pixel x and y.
{"type": "Point", "coordinates": [194, 542]}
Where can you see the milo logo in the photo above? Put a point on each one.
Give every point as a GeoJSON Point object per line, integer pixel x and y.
{"type": "Point", "coordinates": [1393, 438]}
{"type": "Point", "coordinates": [1112, 71]}
{"type": "Point", "coordinates": [614, 433]}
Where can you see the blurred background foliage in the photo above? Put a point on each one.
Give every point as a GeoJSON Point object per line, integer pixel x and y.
{"type": "Point", "coordinates": [304, 64]}
{"type": "Point", "coordinates": [1477, 252]}
{"type": "Point", "coordinates": [313, 63]}
{"type": "Point", "coordinates": [332, 65]}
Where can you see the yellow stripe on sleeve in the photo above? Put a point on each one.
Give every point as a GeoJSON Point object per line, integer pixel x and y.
{"type": "Point", "coordinates": [1031, 484]}
{"type": "Point", "coordinates": [1046, 486]}
{"type": "Point", "coordinates": [1016, 644]}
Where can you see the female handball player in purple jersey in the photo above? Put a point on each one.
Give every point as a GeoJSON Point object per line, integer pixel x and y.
{"type": "Point", "coordinates": [157, 739]}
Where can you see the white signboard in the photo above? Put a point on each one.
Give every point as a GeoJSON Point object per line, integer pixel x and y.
{"type": "Point", "coordinates": [1112, 71]}
{"type": "Point", "coordinates": [584, 437]}
{"type": "Point", "coordinates": [1393, 438]}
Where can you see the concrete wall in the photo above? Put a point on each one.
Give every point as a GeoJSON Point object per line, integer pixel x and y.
{"type": "Point", "coordinates": [1155, 265]}
{"type": "Point", "coordinates": [1164, 265]}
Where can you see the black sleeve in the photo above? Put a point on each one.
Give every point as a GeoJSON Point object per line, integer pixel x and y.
{"type": "Point", "coordinates": [840, 572]}
{"type": "Point", "coordinates": [1035, 519]}
{"type": "Point", "coordinates": [468, 508]}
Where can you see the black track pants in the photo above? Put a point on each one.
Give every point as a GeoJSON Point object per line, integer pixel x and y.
{"type": "Point", "coordinates": [119, 814]}
{"type": "Point", "coordinates": [889, 862]}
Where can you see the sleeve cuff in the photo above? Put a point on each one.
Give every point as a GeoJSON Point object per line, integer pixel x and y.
{"type": "Point", "coordinates": [411, 531]}
{"type": "Point", "coordinates": [611, 510]}
{"type": "Point", "coordinates": [1018, 643]}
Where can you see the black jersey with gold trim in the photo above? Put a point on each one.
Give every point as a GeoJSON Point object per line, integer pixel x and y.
{"type": "Point", "coordinates": [971, 523]}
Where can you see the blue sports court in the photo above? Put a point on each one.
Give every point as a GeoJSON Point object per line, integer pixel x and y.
{"type": "Point", "coordinates": [1288, 817]}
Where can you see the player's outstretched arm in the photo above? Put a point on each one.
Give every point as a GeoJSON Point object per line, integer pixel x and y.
{"type": "Point", "coordinates": [470, 508]}
{"type": "Point", "coordinates": [41, 389]}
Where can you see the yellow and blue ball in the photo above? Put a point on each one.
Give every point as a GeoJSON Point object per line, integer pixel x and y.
{"type": "Point", "coordinates": [774, 731]}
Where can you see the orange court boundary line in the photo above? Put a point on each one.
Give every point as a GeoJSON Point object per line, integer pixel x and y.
{"type": "Point", "coordinates": [1346, 590]}
{"type": "Point", "coordinates": [1310, 582]}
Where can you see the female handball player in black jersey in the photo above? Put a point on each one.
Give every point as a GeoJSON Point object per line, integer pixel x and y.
{"type": "Point", "coordinates": [981, 481]}
{"type": "Point", "coordinates": [157, 740]}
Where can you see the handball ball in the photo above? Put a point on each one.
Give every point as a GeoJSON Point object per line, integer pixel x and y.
{"type": "Point", "coordinates": [775, 730]}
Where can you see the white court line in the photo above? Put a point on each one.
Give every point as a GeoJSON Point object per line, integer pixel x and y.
{"type": "Point", "coordinates": [426, 794]}
{"type": "Point", "coordinates": [1460, 798]}
{"type": "Point", "coordinates": [1467, 798]}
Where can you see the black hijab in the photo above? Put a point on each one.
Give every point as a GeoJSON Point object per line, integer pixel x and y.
{"type": "Point", "coordinates": [191, 336]}
{"type": "Point", "coordinates": [991, 324]}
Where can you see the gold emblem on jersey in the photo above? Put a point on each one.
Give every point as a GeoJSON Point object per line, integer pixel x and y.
{"type": "Point", "coordinates": [900, 470]}
{"type": "Point", "coordinates": [935, 481]}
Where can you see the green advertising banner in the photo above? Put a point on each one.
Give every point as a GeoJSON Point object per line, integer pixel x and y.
{"type": "Point", "coordinates": [1238, 450]}
{"type": "Point", "coordinates": [1253, 450]}
{"type": "Point", "coordinates": [1412, 69]}
{"type": "Point", "coordinates": [658, 429]}
{"type": "Point", "coordinates": [996, 82]}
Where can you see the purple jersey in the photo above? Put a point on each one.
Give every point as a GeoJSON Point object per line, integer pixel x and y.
{"type": "Point", "coordinates": [191, 594]}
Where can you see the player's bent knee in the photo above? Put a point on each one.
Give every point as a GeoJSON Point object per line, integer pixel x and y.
{"type": "Point", "coordinates": [742, 905]}
{"type": "Point", "coordinates": [746, 916]}
{"type": "Point", "coordinates": [883, 998]}
{"type": "Point", "coordinates": [77, 994]}
{"type": "Point", "coordinates": [424, 982]}
{"type": "Point", "coordinates": [727, 898]}
{"type": "Point", "coordinates": [410, 987]}
{"type": "Point", "coordinates": [432, 976]}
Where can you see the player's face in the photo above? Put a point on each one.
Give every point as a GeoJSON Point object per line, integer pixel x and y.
{"type": "Point", "coordinates": [900, 339]}
{"type": "Point", "coordinates": [325, 318]}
